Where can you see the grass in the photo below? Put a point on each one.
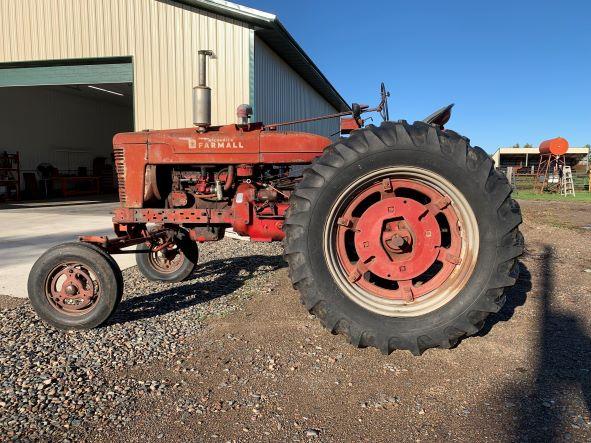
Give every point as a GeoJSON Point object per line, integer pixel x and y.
{"type": "Point", "coordinates": [580, 196]}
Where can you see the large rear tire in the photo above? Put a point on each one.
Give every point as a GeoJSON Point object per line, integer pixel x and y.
{"type": "Point", "coordinates": [75, 286]}
{"type": "Point", "coordinates": [403, 237]}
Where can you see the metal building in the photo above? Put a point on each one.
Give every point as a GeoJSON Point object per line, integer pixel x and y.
{"type": "Point", "coordinates": [74, 72]}
{"type": "Point", "coordinates": [527, 159]}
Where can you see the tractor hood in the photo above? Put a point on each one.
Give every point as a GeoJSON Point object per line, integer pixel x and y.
{"type": "Point", "coordinates": [231, 144]}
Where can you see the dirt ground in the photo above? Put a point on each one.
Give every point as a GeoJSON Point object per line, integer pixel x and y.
{"type": "Point", "coordinates": [270, 372]}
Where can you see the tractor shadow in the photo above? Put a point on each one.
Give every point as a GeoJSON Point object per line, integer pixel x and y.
{"type": "Point", "coordinates": [217, 278]}
{"type": "Point", "coordinates": [557, 398]}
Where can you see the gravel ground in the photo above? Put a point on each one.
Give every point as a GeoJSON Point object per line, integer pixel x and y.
{"type": "Point", "coordinates": [232, 356]}
{"type": "Point", "coordinates": [53, 382]}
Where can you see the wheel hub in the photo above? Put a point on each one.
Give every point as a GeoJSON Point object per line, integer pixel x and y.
{"type": "Point", "coordinates": [71, 289]}
{"type": "Point", "coordinates": [394, 253]}
{"type": "Point", "coordinates": [395, 239]}
{"type": "Point", "coordinates": [166, 258]}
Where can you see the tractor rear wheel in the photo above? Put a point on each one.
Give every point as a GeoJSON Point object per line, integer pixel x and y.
{"type": "Point", "coordinates": [403, 237]}
{"type": "Point", "coordinates": [173, 263]}
{"type": "Point", "coordinates": [75, 286]}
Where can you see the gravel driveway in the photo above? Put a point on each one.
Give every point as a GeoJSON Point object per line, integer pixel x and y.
{"type": "Point", "coordinates": [232, 356]}
{"type": "Point", "coordinates": [55, 384]}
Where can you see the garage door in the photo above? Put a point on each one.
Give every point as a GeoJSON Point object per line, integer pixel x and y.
{"type": "Point", "coordinates": [79, 74]}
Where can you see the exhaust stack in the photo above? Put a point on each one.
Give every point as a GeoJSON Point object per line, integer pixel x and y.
{"type": "Point", "coordinates": [202, 94]}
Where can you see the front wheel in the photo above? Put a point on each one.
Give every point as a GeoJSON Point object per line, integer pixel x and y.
{"type": "Point", "coordinates": [403, 237]}
{"type": "Point", "coordinates": [75, 286]}
{"type": "Point", "coordinates": [172, 262]}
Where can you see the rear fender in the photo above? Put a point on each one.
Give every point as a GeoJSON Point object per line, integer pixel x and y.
{"type": "Point", "coordinates": [440, 117]}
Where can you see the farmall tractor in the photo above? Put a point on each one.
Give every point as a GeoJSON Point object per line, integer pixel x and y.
{"type": "Point", "coordinates": [401, 236]}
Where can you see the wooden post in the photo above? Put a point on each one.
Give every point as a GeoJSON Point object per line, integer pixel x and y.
{"type": "Point", "coordinates": [511, 177]}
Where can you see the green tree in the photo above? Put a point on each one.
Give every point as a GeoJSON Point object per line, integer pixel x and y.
{"type": "Point", "coordinates": [527, 145]}
{"type": "Point", "coordinates": [516, 145]}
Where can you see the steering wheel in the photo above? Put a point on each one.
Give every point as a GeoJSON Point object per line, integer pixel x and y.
{"type": "Point", "coordinates": [384, 103]}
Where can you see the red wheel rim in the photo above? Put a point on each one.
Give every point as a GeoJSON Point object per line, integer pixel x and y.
{"type": "Point", "coordinates": [398, 239]}
{"type": "Point", "coordinates": [72, 288]}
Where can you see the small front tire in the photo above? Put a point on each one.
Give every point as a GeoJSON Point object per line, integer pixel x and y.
{"type": "Point", "coordinates": [74, 286]}
{"type": "Point", "coordinates": [172, 264]}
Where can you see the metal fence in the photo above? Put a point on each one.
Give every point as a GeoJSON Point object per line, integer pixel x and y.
{"type": "Point", "coordinates": [525, 181]}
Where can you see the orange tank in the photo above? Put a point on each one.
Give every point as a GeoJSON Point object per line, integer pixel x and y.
{"type": "Point", "coordinates": [556, 146]}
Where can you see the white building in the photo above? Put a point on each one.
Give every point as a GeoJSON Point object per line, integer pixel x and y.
{"type": "Point", "coordinates": [528, 158]}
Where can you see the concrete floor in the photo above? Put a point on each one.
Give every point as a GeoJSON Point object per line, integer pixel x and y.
{"type": "Point", "coordinates": [28, 229]}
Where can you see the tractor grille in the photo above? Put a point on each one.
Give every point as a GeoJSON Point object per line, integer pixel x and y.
{"type": "Point", "coordinates": [120, 169]}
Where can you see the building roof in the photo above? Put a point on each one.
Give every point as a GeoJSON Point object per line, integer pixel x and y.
{"type": "Point", "coordinates": [517, 151]}
{"type": "Point", "coordinates": [273, 33]}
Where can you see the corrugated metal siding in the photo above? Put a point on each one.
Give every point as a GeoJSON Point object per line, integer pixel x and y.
{"type": "Point", "coordinates": [282, 95]}
{"type": "Point", "coordinates": [163, 38]}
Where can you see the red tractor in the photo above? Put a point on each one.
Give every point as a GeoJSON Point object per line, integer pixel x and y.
{"type": "Point", "coordinates": [401, 236]}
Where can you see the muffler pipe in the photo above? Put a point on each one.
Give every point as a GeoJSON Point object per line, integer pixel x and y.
{"type": "Point", "coordinates": [202, 94]}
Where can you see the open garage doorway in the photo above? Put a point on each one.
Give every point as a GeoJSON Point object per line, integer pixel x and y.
{"type": "Point", "coordinates": [62, 132]}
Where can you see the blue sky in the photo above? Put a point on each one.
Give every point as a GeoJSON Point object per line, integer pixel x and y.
{"type": "Point", "coordinates": [518, 71]}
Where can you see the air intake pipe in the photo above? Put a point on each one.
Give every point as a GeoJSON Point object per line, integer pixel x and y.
{"type": "Point", "coordinates": [202, 94]}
